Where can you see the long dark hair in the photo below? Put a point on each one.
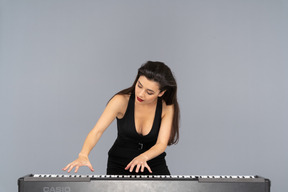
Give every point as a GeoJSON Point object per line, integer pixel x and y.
{"type": "Point", "coordinates": [161, 73]}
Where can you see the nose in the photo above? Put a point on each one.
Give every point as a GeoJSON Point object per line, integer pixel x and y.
{"type": "Point", "coordinates": [141, 93]}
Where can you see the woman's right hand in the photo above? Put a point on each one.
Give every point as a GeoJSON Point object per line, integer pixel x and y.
{"type": "Point", "coordinates": [82, 160]}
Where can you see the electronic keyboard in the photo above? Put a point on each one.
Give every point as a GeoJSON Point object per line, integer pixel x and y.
{"type": "Point", "coordinates": [141, 183]}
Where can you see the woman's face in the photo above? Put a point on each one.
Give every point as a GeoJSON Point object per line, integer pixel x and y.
{"type": "Point", "coordinates": [147, 91]}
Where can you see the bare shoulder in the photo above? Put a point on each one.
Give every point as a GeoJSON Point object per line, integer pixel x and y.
{"type": "Point", "coordinates": [167, 110]}
{"type": "Point", "coordinates": [120, 103]}
{"type": "Point", "coordinates": [120, 98]}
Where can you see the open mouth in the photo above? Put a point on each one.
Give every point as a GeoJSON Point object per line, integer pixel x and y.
{"type": "Point", "coordinates": [140, 100]}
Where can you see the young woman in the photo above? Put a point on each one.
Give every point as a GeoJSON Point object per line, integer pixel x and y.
{"type": "Point", "coordinates": [147, 116]}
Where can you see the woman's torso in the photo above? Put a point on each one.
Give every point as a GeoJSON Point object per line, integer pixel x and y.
{"type": "Point", "coordinates": [130, 143]}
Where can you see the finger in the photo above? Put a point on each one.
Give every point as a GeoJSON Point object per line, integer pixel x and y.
{"type": "Point", "coordinates": [142, 168]}
{"type": "Point", "coordinates": [65, 168]}
{"type": "Point", "coordinates": [127, 167]}
{"type": "Point", "coordinates": [149, 168]}
{"type": "Point", "coordinates": [132, 167]}
{"type": "Point", "coordinates": [70, 168]}
{"type": "Point", "coordinates": [90, 167]}
{"type": "Point", "coordinates": [137, 168]}
{"type": "Point", "coordinates": [76, 169]}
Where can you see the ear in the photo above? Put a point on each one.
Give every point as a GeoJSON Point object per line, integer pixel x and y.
{"type": "Point", "coordinates": [161, 93]}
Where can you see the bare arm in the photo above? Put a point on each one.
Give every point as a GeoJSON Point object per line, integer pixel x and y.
{"type": "Point", "coordinates": [160, 146]}
{"type": "Point", "coordinates": [112, 110]}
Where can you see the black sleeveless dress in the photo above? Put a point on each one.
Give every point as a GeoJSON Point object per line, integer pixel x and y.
{"type": "Point", "coordinates": [129, 144]}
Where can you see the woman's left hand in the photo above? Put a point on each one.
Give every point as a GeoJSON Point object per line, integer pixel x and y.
{"type": "Point", "coordinates": [138, 162]}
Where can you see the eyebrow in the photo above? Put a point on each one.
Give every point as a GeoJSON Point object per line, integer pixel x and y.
{"type": "Point", "coordinates": [147, 89]}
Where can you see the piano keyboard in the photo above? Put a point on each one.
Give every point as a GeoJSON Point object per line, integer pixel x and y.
{"type": "Point", "coordinates": [139, 183]}
{"type": "Point", "coordinates": [47, 177]}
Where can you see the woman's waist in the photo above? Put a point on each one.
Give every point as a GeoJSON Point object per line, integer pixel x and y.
{"type": "Point", "coordinates": [134, 144]}
{"type": "Point", "coordinates": [130, 149]}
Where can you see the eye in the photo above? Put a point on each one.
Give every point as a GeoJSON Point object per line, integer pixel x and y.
{"type": "Point", "coordinates": [149, 93]}
{"type": "Point", "coordinates": [139, 84]}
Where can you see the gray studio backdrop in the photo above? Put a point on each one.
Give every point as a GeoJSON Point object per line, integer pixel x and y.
{"type": "Point", "coordinates": [62, 60]}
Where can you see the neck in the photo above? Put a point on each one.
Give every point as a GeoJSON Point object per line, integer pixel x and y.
{"type": "Point", "coordinates": [147, 105]}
